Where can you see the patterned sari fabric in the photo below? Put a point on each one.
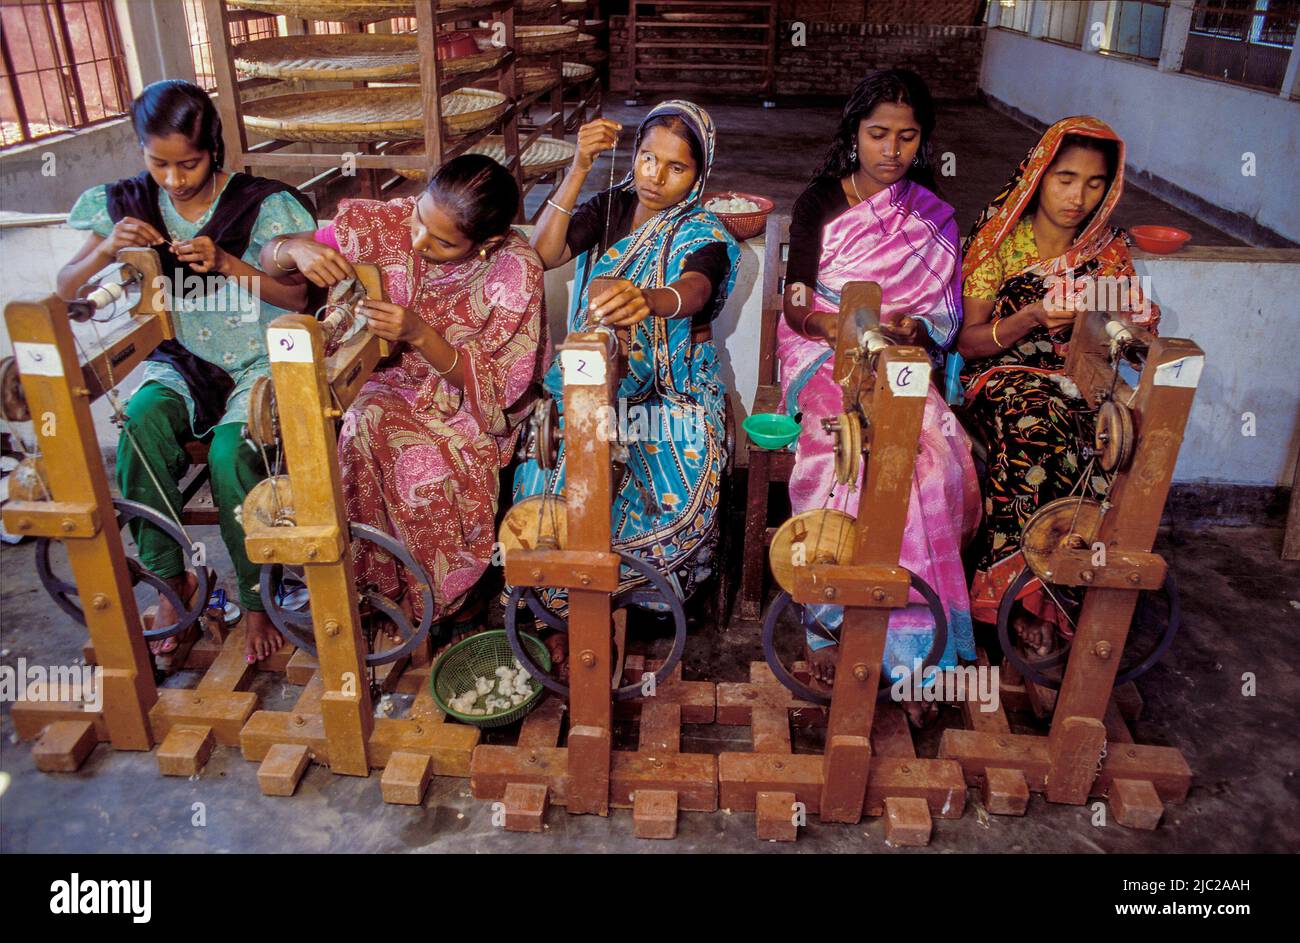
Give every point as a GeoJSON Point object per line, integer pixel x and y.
{"type": "Point", "coordinates": [1027, 410]}
{"type": "Point", "coordinates": [666, 504]}
{"type": "Point", "coordinates": [905, 239]}
{"type": "Point", "coordinates": [419, 458]}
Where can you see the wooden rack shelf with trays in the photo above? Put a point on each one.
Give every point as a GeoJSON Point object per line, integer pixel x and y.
{"type": "Point", "coordinates": [432, 100]}
{"type": "Point", "coordinates": [667, 37]}
{"type": "Point", "coordinates": [548, 44]}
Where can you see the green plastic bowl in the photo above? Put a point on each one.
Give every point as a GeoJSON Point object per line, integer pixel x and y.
{"type": "Point", "coordinates": [771, 430]}
{"type": "Point", "coordinates": [481, 655]}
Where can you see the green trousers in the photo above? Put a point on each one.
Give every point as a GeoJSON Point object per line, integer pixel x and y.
{"type": "Point", "coordinates": [159, 424]}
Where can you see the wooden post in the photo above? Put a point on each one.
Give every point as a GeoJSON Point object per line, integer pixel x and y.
{"type": "Point", "coordinates": [81, 514]}
{"type": "Point", "coordinates": [590, 382]}
{"type": "Point", "coordinates": [896, 406]}
{"type": "Point", "coordinates": [1160, 410]}
{"type": "Point", "coordinates": [223, 67]}
{"type": "Point", "coordinates": [310, 446]}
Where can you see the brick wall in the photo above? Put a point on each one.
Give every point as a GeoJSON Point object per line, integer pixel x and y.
{"type": "Point", "coordinates": [835, 56]}
{"type": "Point", "coordinates": [947, 12]}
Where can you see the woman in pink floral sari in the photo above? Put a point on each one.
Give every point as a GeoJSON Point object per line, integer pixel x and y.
{"type": "Point", "coordinates": [422, 445]}
{"type": "Point", "coordinates": [870, 216]}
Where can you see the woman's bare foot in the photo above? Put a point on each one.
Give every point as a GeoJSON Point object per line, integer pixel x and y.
{"type": "Point", "coordinates": [557, 646]}
{"type": "Point", "coordinates": [821, 663]}
{"type": "Point", "coordinates": [185, 585]}
{"type": "Point", "coordinates": [921, 714]}
{"type": "Point", "coordinates": [1036, 636]}
{"type": "Point", "coordinates": [261, 638]}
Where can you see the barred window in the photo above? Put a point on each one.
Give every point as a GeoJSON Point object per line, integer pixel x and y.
{"type": "Point", "coordinates": [1246, 42]}
{"type": "Point", "coordinates": [63, 68]}
{"type": "Point", "coordinates": [1066, 21]}
{"type": "Point", "coordinates": [1135, 29]}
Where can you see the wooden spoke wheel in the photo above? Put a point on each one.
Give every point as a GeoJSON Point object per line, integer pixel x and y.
{"type": "Point", "coordinates": [13, 403]}
{"type": "Point", "coordinates": [537, 523]}
{"type": "Point", "coordinates": [1065, 522]}
{"type": "Point", "coordinates": [1115, 437]}
{"type": "Point", "coordinates": [263, 418]}
{"type": "Point", "coordinates": [847, 429]}
{"type": "Point", "coordinates": [821, 535]}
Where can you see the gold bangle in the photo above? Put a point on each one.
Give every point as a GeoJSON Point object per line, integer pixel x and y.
{"type": "Point", "coordinates": [275, 256]}
{"type": "Point", "coordinates": [454, 360]}
{"type": "Point", "coordinates": [995, 334]}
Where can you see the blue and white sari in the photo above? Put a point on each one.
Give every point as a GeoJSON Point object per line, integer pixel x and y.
{"type": "Point", "coordinates": [665, 507]}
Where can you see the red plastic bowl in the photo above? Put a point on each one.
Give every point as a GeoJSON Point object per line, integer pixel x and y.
{"type": "Point", "coordinates": [1159, 239]}
{"type": "Point", "coordinates": [455, 45]}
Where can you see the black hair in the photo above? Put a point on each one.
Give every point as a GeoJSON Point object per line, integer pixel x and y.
{"type": "Point", "coordinates": [175, 107]}
{"type": "Point", "coordinates": [1107, 148]}
{"type": "Point", "coordinates": [892, 86]}
{"type": "Point", "coordinates": [675, 125]}
{"type": "Point", "coordinates": [479, 195]}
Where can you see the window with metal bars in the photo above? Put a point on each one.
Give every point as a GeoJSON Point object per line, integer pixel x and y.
{"type": "Point", "coordinates": [244, 27]}
{"type": "Point", "coordinates": [63, 68]}
{"type": "Point", "coordinates": [1134, 29]}
{"type": "Point", "coordinates": [1014, 15]}
{"type": "Point", "coordinates": [1066, 21]}
{"type": "Point", "coordinates": [1245, 42]}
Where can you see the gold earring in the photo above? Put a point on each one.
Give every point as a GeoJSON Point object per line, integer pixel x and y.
{"type": "Point", "coordinates": [482, 253]}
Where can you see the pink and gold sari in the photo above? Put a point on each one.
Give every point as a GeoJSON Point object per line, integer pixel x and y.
{"type": "Point", "coordinates": [905, 239]}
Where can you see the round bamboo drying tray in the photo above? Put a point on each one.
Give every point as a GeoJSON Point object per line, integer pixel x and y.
{"type": "Point", "coordinates": [368, 114]}
{"type": "Point", "coordinates": [541, 40]}
{"type": "Point", "coordinates": [586, 48]}
{"type": "Point", "coordinates": [343, 57]}
{"type": "Point", "coordinates": [341, 11]}
{"type": "Point", "coordinates": [544, 156]}
{"type": "Point", "coordinates": [534, 6]}
{"type": "Point", "coordinates": [536, 78]}
{"type": "Point", "coordinates": [575, 73]}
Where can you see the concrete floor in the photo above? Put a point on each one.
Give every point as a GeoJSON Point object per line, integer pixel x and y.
{"type": "Point", "coordinates": [1241, 614]}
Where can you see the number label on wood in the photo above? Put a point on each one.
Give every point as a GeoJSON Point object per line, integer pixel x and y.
{"type": "Point", "coordinates": [1185, 371]}
{"type": "Point", "coordinates": [582, 368]}
{"type": "Point", "coordinates": [909, 379]}
{"type": "Point", "coordinates": [40, 360]}
{"type": "Point", "coordinates": [288, 345]}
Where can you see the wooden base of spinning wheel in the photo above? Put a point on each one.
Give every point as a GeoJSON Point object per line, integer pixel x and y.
{"type": "Point", "coordinates": [654, 781]}
{"type": "Point", "coordinates": [771, 779]}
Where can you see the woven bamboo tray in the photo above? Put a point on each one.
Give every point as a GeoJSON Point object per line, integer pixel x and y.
{"type": "Point", "coordinates": [353, 57]}
{"type": "Point", "coordinates": [344, 11]}
{"type": "Point", "coordinates": [368, 114]}
{"type": "Point", "coordinates": [534, 6]}
{"type": "Point", "coordinates": [586, 48]}
{"type": "Point", "coordinates": [575, 73]}
{"type": "Point", "coordinates": [541, 40]}
{"type": "Point", "coordinates": [544, 156]}
{"type": "Point", "coordinates": [536, 78]}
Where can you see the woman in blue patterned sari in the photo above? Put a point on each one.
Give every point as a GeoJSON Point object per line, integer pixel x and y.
{"type": "Point", "coordinates": [666, 266]}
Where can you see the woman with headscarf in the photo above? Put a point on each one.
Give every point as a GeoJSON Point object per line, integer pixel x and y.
{"type": "Point", "coordinates": [871, 214]}
{"type": "Point", "coordinates": [1028, 263]}
{"type": "Point", "coordinates": [667, 266]}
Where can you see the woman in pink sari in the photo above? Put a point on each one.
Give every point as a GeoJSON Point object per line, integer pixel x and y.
{"type": "Point", "coordinates": [871, 215]}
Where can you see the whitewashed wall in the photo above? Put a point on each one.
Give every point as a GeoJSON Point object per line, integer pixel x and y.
{"type": "Point", "coordinates": [1188, 131]}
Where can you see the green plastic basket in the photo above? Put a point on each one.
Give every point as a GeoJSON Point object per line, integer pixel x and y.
{"type": "Point", "coordinates": [481, 655]}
